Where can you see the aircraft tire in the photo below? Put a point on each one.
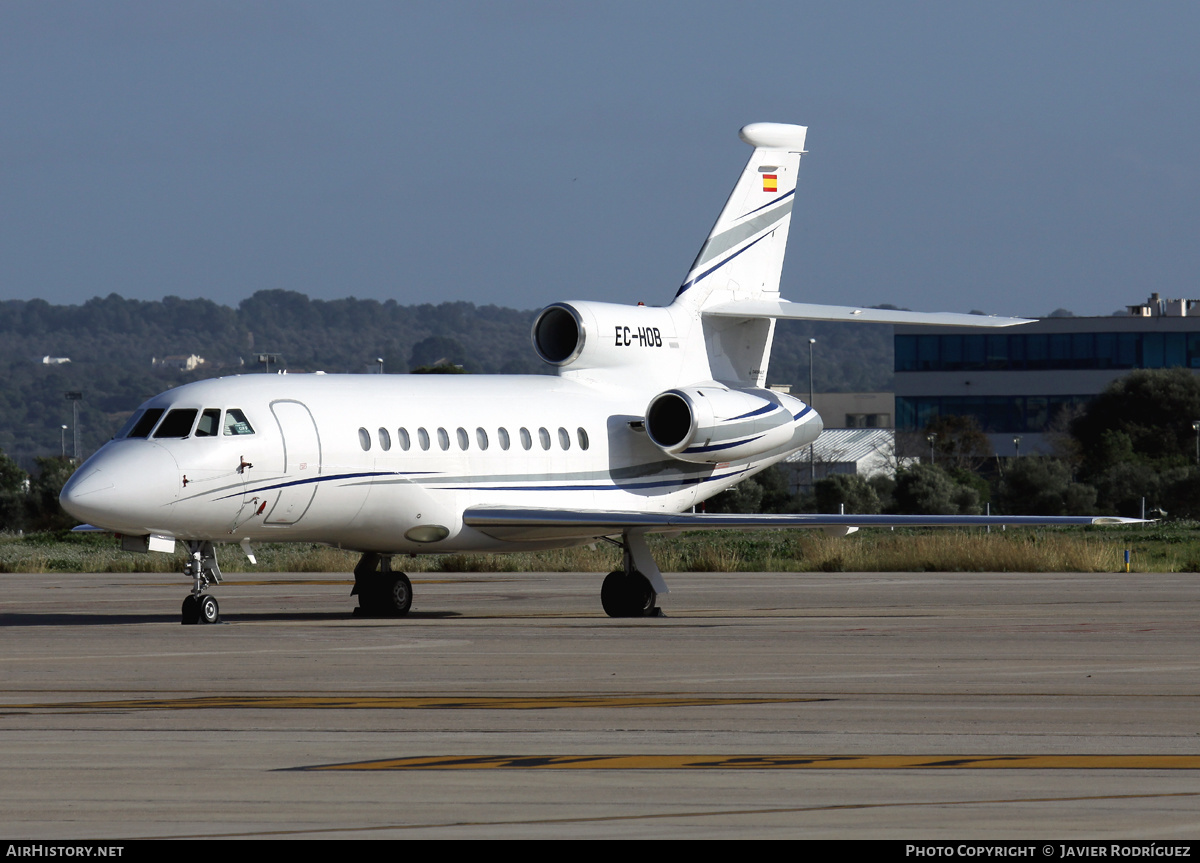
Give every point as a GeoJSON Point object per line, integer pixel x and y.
{"type": "Point", "coordinates": [399, 596]}
{"type": "Point", "coordinates": [210, 611]}
{"type": "Point", "coordinates": [624, 595]}
{"type": "Point", "coordinates": [386, 596]}
{"type": "Point", "coordinates": [190, 613]}
{"type": "Point", "coordinates": [641, 596]}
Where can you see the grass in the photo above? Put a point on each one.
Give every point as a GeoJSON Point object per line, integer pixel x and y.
{"type": "Point", "coordinates": [1173, 547]}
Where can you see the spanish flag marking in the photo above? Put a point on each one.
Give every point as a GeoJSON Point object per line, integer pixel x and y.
{"type": "Point", "coordinates": [770, 182]}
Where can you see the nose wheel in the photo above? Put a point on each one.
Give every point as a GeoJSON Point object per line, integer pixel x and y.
{"type": "Point", "coordinates": [202, 567]}
{"type": "Point", "coordinates": [200, 610]}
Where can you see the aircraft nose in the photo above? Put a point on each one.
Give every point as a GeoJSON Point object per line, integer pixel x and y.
{"type": "Point", "coordinates": [128, 487]}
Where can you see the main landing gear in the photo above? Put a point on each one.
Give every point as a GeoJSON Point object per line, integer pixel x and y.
{"type": "Point", "coordinates": [203, 570]}
{"type": "Point", "coordinates": [633, 591]}
{"type": "Point", "coordinates": [380, 592]}
{"type": "Point", "coordinates": [628, 595]}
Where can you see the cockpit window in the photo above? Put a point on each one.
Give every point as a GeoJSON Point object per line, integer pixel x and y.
{"type": "Point", "coordinates": [129, 424]}
{"type": "Point", "coordinates": [210, 421]}
{"type": "Point", "coordinates": [178, 423]}
{"type": "Point", "coordinates": [236, 423]}
{"type": "Point", "coordinates": [143, 426]}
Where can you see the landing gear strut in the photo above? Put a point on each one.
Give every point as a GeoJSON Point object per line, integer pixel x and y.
{"type": "Point", "coordinates": [380, 592]}
{"type": "Point", "coordinates": [633, 591]}
{"type": "Point", "coordinates": [203, 570]}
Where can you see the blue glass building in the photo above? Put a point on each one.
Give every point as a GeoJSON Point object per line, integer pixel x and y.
{"type": "Point", "coordinates": [1018, 381]}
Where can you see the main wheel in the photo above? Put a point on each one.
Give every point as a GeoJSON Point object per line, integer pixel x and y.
{"type": "Point", "coordinates": [386, 595]}
{"type": "Point", "coordinates": [399, 594]}
{"type": "Point", "coordinates": [210, 612]}
{"type": "Point", "coordinates": [625, 595]}
{"type": "Point", "coordinates": [641, 595]}
{"type": "Point", "coordinates": [190, 611]}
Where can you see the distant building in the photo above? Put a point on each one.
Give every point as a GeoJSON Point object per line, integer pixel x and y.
{"type": "Point", "coordinates": [858, 437]}
{"type": "Point", "coordinates": [856, 410]}
{"type": "Point", "coordinates": [863, 452]}
{"type": "Point", "coordinates": [54, 361]}
{"type": "Point", "coordinates": [1017, 382]}
{"type": "Point", "coordinates": [179, 361]}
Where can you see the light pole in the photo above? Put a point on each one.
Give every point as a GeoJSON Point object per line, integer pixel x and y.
{"type": "Point", "coordinates": [1017, 444]}
{"type": "Point", "coordinates": [74, 398]}
{"type": "Point", "coordinates": [1196, 427]}
{"type": "Point", "coordinates": [380, 361]}
{"type": "Point", "coordinates": [932, 438]}
{"type": "Point", "coordinates": [812, 457]}
{"type": "Point", "coordinates": [62, 439]}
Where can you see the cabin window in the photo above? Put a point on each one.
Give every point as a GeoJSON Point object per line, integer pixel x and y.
{"type": "Point", "coordinates": [505, 442]}
{"type": "Point", "coordinates": [464, 439]}
{"type": "Point", "coordinates": [210, 422]}
{"type": "Point", "coordinates": [385, 439]}
{"type": "Point", "coordinates": [526, 440]}
{"type": "Point", "coordinates": [481, 438]}
{"type": "Point", "coordinates": [236, 423]}
{"type": "Point", "coordinates": [364, 439]}
{"type": "Point", "coordinates": [544, 437]}
{"type": "Point", "coordinates": [581, 434]}
{"type": "Point", "coordinates": [423, 438]}
{"type": "Point", "coordinates": [443, 439]}
{"type": "Point", "coordinates": [564, 438]}
{"type": "Point", "coordinates": [143, 426]}
{"type": "Point", "coordinates": [405, 440]}
{"type": "Point", "coordinates": [178, 423]}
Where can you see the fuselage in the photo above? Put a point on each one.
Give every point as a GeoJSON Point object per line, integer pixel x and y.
{"type": "Point", "coordinates": [388, 463]}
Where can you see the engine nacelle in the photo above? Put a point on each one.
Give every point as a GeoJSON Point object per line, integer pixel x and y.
{"type": "Point", "coordinates": [710, 423]}
{"type": "Point", "coordinates": [581, 335]}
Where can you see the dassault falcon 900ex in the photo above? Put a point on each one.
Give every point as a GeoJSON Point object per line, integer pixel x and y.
{"type": "Point", "coordinates": [653, 410]}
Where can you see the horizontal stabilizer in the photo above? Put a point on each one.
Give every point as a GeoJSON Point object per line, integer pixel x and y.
{"type": "Point", "coordinates": [813, 312]}
{"type": "Point", "coordinates": [529, 524]}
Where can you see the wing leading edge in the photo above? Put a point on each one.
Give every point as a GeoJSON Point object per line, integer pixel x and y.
{"type": "Point", "coordinates": [811, 312]}
{"type": "Point", "coordinates": [530, 524]}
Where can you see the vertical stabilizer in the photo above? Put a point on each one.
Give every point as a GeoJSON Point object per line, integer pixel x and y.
{"type": "Point", "coordinates": [742, 259]}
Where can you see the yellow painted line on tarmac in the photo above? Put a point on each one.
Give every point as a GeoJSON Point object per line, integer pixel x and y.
{"type": "Point", "coordinates": [298, 702]}
{"type": "Point", "coordinates": [775, 762]}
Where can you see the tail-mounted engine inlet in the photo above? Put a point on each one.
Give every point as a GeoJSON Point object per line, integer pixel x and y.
{"type": "Point", "coordinates": [712, 423]}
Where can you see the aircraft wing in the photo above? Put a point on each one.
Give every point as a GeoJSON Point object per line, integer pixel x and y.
{"type": "Point", "coordinates": [814, 312]}
{"type": "Point", "coordinates": [530, 524]}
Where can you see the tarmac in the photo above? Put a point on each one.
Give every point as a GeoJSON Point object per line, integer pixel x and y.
{"type": "Point", "coordinates": [914, 706]}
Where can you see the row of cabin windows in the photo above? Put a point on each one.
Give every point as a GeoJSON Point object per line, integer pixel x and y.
{"type": "Point", "coordinates": [464, 439]}
{"type": "Point", "coordinates": [182, 422]}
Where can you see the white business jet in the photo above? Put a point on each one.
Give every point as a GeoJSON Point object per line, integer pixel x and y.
{"type": "Point", "coordinates": [653, 410]}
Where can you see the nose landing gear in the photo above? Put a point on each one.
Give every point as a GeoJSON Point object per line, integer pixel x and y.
{"type": "Point", "coordinates": [203, 570]}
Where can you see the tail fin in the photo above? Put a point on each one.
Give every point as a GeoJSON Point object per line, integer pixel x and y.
{"type": "Point", "coordinates": [742, 259]}
{"type": "Point", "coordinates": [743, 255]}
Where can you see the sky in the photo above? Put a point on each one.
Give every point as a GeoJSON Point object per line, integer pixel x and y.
{"type": "Point", "coordinates": [1010, 157]}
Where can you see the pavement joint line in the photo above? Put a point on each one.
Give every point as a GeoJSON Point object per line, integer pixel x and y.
{"type": "Point", "coordinates": [366, 702]}
{"type": "Point", "coordinates": [772, 762]}
{"type": "Point", "coordinates": [712, 813]}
